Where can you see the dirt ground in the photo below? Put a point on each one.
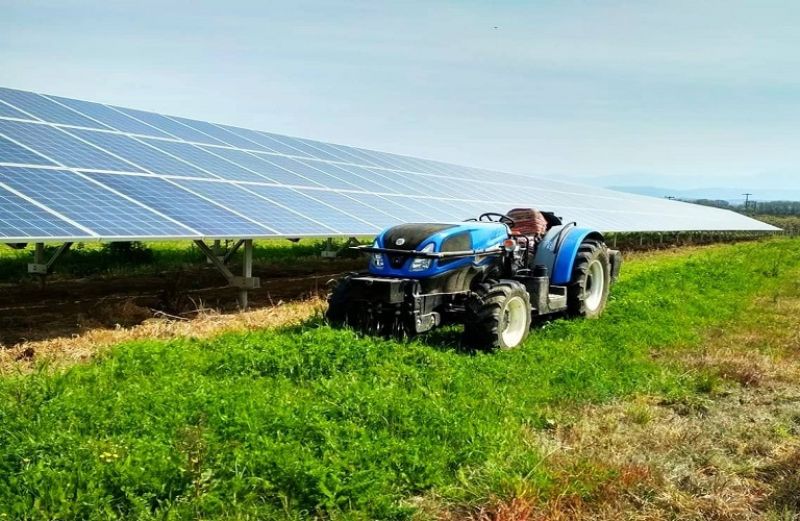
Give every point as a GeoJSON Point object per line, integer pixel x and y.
{"type": "Point", "coordinates": [65, 308]}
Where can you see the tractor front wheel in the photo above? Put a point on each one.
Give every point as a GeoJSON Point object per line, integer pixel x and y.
{"type": "Point", "coordinates": [498, 316]}
{"type": "Point", "coordinates": [339, 313]}
{"type": "Point", "coordinates": [587, 294]}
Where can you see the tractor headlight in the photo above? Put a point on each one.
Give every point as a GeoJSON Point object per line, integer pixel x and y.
{"type": "Point", "coordinates": [422, 263]}
{"type": "Point", "coordinates": [377, 258]}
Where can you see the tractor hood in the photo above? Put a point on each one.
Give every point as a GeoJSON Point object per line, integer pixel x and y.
{"type": "Point", "coordinates": [433, 238]}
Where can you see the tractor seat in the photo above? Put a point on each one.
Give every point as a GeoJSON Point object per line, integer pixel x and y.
{"type": "Point", "coordinates": [529, 223]}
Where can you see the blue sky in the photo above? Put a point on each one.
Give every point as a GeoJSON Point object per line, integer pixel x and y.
{"type": "Point", "coordinates": [684, 93]}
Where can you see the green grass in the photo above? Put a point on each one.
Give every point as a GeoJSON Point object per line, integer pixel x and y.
{"type": "Point", "coordinates": [310, 421]}
{"type": "Point", "coordinates": [90, 259]}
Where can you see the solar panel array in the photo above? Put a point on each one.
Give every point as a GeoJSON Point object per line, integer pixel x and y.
{"type": "Point", "coordinates": [77, 170]}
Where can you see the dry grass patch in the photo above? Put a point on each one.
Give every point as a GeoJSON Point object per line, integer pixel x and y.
{"type": "Point", "coordinates": [732, 453]}
{"type": "Point", "coordinates": [62, 351]}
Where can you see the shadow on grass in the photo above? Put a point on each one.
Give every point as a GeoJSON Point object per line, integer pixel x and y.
{"type": "Point", "coordinates": [448, 338]}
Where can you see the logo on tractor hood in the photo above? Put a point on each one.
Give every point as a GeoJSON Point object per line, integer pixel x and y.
{"type": "Point", "coordinates": [400, 241]}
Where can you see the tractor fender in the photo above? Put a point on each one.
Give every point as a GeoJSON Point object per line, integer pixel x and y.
{"type": "Point", "coordinates": [566, 250]}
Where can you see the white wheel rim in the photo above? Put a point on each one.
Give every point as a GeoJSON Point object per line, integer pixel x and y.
{"type": "Point", "coordinates": [595, 286]}
{"type": "Point", "coordinates": [515, 321]}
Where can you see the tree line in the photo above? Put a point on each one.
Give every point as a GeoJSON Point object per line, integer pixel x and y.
{"type": "Point", "coordinates": [782, 208]}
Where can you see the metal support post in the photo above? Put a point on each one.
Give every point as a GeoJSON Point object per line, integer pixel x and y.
{"type": "Point", "coordinates": [216, 247]}
{"type": "Point", "coordinates": [247, 272]}
{"type": "Point", "coordinates": [43, 267]}
{"type": "Point", "coordinates": [244, 283]}
{"type": "Point", "coordinates": [329, 252]}
{"type": "Point", "coordinates": [232, 251]}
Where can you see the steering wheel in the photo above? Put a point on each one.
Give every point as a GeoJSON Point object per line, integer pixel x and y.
{"type": "Point", "coordinates": [494, 217]}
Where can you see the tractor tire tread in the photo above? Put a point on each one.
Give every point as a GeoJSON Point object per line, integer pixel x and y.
{"type": "Point", "coordinates": [588, 251]}
{"type": "Point", "coordinates": [483, 321]}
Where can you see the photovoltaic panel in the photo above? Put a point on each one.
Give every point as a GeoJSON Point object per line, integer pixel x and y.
{"type": "Point", "coordinates": [307, 202]}
{"type": "Point", "coordinates": [396, 183]}
{"type": "Point", "coordinates": [253, 140]}
{"type": "Point", "coordinates": [91, 206]}
{"type": "Point", "coordinates": [170, 126]}
{"type": "Point", "coordinates": [309, 172]}
{"type": "Point", "coordinates": [57, 145]}
{"type": "Point", "coordinates": [45, 109]}
{"type": "Point", "coordinates": [406, 213]}
{"type": "Point", "coordinates": [220, 134]}
{"type": "Point", "coordinates": [13, 153]}
{"type": "Point", "coordinates": [282, 219]}
{"type": "Point", "coordinates": [306, 147]}
{"type": "Point", "coordinates": [354, 175]}
{"type": "Point", "coordinates": [20, 219]}
{"type": "Point", "coordinates": [349, 203]}
{"type": "Point", "coordinates": [138, 153]}
{"type": "Point", "coordinates": [222, 181]}
{"type": "Point", "coordinates": [109, 117]}
{"type": "Point", "coordinates": [269, 143]}
{"type": "Point", "coordinates": [210, 219]}
{"type": "Point", "coordinates": [10, 112]}
{"type": "Point", "coordinates": [206, 159]}
{"type": "Point", "coordinates": [259, 164]}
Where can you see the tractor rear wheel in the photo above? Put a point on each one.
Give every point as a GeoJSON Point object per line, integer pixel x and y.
{"type": "Point", "coordinates": [587, 294]}
{"type": "Point", "coordinates": [498, 316]}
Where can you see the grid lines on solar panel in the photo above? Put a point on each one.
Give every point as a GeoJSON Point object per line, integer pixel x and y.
{"type": "Point", "coordinates": [60, 147]}
{"type": "Point", "coordinates": [13, 153]}
{"type": "Point", "coordinates": [344, 202]}
{"type": "Point", "coordinates": [88, 204]}
{"type": "Point", "coordinates": [45, 109]}
{"type": "Point", "coordinates": [254, 162]}
{"type": "Point", "coordinates": [140, 154]}
{"type": "Point", "coordinates": [406, 213]}
{"type": "Point", "coordinates": [257, 141]}
{"type": "Point", "coordinates": [170, 126]}
{"type": "Point", "coordinates": [309, 206]}
{"type": "Point", "coordinates": [331, 153]}
{"type": "Point", "coordinates": [110, 117]}
{"type": "Point", "coordinates": [220, 134]}
{"type": "Point", "coordinates": [205, 159]}
{"type": "Point", "coordinates": [199, 214]}
{"type": "Point", "coordinates": [435, 212]}
{"type": "Point", "coordinates": [275, 144]}
{"type": "Point", "coordinates": [332, 176]}
{"type": "Point", "coordinates": [359, 177]}
{"type": "Point", "coordinates": [11, 112]}
{"type": "Point", "coordinates": [394, 180]}
{"type": "Point", "coordinates": [316, 175]}
{"type": "Point", "coordinates": [359, 157]}
{"type": "Point", "coordinates": [20, 218]}
{"type": "Point", "coordinates": [307, 147]}
{"type": "Point", "coordinates": [263, 211]}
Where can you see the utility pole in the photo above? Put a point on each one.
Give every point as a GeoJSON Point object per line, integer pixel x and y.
{"type": "Point", "coordinates": [747, 201]}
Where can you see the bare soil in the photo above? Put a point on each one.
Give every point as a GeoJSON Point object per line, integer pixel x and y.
{"type": "Point", "coordinates": [65, 308]}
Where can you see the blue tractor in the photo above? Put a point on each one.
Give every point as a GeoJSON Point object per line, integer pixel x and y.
{"type": "Point", "coordinates": [495, 275]}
